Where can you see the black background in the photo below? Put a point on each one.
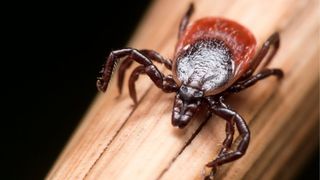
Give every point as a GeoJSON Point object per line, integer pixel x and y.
{"type": "Point", "coordinates": [51, 55]}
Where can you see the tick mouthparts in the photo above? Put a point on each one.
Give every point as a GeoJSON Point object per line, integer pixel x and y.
{"type": "Point", "coordinates": [180, 120]}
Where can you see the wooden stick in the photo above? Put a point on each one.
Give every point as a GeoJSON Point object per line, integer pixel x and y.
{"type": "Point", "coordinates": [118, 141]}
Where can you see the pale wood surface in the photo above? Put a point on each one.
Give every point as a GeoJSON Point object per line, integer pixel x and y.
{"type": "Point", "coordinates": [118, 141]}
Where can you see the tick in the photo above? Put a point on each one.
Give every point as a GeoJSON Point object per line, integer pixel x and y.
{"type": "Point", "coordinates": [214, 57]}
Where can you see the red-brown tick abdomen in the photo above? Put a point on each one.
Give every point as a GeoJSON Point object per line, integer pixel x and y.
{"type": "Point", "coordinates": [236, 37]}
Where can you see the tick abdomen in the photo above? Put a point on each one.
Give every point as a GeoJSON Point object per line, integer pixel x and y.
{"type": "Point", "coordinates": [206, 64]}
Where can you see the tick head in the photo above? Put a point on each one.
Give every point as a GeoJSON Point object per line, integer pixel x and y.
{"type": "Point", "coordinates": [190, 94]}
{"type": "Point", "coordinates": [186, 104]}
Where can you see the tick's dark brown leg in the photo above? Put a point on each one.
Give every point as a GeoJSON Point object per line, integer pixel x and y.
{"type": "Point", "coordinates": [253, 79]}
{"type": "Point", "coordinates": [167, 85]}
{"type": "Point", "coordinates": [150, 54]}
{"type": "Point", "coordinates": [150, 69]}
{"type": "Point", "coordinates": [185, 20]}
{"type": "Point", "coordinates": [272, 41]}
{"type": "Point", "coordinates": [229, 137]}
{"type": "Point", "coordinates": [225, 157]}
{"type": "Point", "coordinates": [133, 78]}
{"type": "Point", "coordinates": [122, 71]}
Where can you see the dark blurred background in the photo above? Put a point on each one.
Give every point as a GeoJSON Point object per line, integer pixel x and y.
{"type": "Point", "coordinates": [52, 53]}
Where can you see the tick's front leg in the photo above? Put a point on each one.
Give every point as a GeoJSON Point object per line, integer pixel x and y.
{"type": "Point", "coordinates": [224, 156]}
{"type": "Point", "coordinates": [229, 137]}
{"type": "Point", "coordinates": [166, 83]}
{"type": "Point", "coordinates": [150, 54]}
{"type": "Point", "coordinates": [129, 53]}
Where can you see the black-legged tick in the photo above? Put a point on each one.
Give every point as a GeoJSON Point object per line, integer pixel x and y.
{"type": "Point", "coordinates": [214, 57]}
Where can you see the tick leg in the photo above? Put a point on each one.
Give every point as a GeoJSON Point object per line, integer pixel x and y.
{"type": "Point", "coordinates": [122, 71]}
{"type": "Point", "coordinates": [133, 78]}
{"type": "Point", "coordinates": [133, 54]}
{"type": "Point", "coordinates": [226, 146]}
{"type": "Point", "coordinates": [229, 137]}
{"type": "Point", "coordinates": [272, 41]}
{"type": "Point", "coordinates": [167, 84]}
{"type": "Point", "coordinates": [185, 20]}
{"type": "Point", "coordinates": [150, 54]}
{"type": "Point", "coordinates": [155, 56]}
{"type": "Point", "coordinates": [253, 79]}
{"type": "Point", "coordinates": [225, 157]}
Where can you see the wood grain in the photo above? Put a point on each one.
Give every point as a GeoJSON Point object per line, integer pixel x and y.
{"type": "Point", "coordinates": [118, 141]}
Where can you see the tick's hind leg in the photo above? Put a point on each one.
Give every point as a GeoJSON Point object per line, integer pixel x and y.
{"type": "Point", "coordinates": [272, 41]}
{"type": "Point", "coordinates": [254, 79]}
{"type": "Point", "coordinates": [248, 79]}
{"type": "Point", "coordinates": [166, 83]}
{"type": "Point", "coordinates": [185, 20]}
{"type": "Point", "coordinates": [150, 54]}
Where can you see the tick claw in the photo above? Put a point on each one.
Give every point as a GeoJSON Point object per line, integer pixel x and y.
{"type": "Point", "coordinates": [209, 178]}
{"type": "Point", "coordinates": [212, 174]}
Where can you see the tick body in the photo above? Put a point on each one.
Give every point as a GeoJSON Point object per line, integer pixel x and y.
{"type": "Point", "coordinates": [213, 53]}
{"type": "Point", "coordinates": [214, 58]}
